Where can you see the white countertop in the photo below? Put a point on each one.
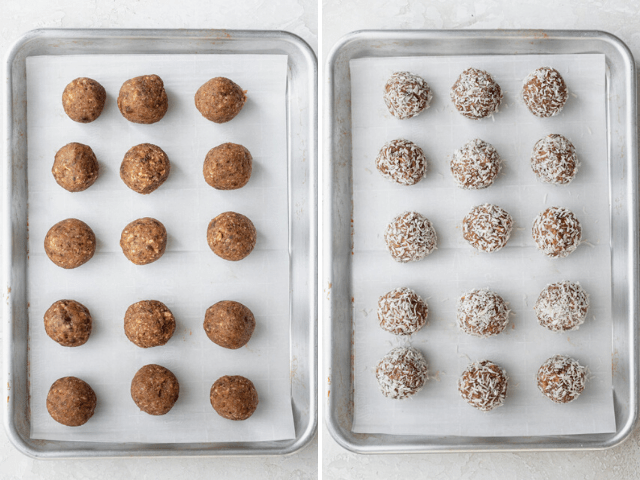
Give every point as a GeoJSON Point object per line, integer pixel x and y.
{"type": "Point", "coordinates": [620, 17]}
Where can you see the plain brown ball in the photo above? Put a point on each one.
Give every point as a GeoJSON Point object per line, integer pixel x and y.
{"type": "Point", "coordinates": [229, 324]}
{"type": "Point", "coordinates": [83, 100]}
{"type": "Point", "coordinates": [144, 168]}
{"type": "Point", "coordinates": [149, 323]}
{"type": "Point", "coordinates": [155, 389]}
{"type": "Point", "coordinates": [68, 322]}
{"type": "Point", "coordinates": [227, 166]}
{"type": "Point", "coordinates": [70, 243]}
{"type": "Point", "coordinates": [75, 167]}
{"type": "Point", "coordinates": [144, 241]}
{"type": "Point", "coordinates": [234, 397]}
{"type": "Point", "coordinates": [71, 401]}
{"type": "Point", "coordinates": [231, 236]}
{"type": "Point", "coordinates": [220, 100]}
{"type": "Point", "coordinates": [143, 99]}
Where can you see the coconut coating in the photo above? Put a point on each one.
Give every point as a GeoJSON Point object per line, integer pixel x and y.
{"type": "Point", "coordinates": [155, 389]}
{"type": "Point", "coordinates": [410, 237]}
{"type": "Point", "coordinates": [234, 397]}
{"type": "Point", "coordinates": [487, 227]}
{"type": "Point", "coordinates": [562, 306]}
{"type": "Point", "coordinates": [83, 100]}
{"type": "Point", "coordinates": [554, 160]}
{"type": "Point", "coordinates": [402, 311]}
{"type": "Point", "coordinates": [144, 240]}
{"type": "Point", "coordinates": [544, 92]}
{"type": "Point", "coordinates": [71, 401]}
{"type": "Point", "coordinates": [484, 385]}
{"type": "Point", "coordinates": [231, 236]}
{"type": "Point", "coordinates": [220, 100]}
{"type": "Point", "coordinates": [402, 373]}
{"type": "Point", "coordinates": [143, 99]}
{"type": "Point", "coordinates": [75, 167]}
{"type": "Point", "coordinates": [476, 165]}
{"type": "Point", "coordinates": [144, 168]}
{"type": "Point", "coordinates": [406, 95]}
{"type": "Point", "coordinates": [227, 166]}
{"type": "Point", "coordinates": [229, 324]}
{"type": "Point", "coordinates": [561, 379]}
{"type": "Point", "coordinates": [402, 161]}
{"type": "Point", "coordinates": [482, 313]}
{"type": "Point", "coordinates": [149, 323]}
{"type": "Point", "coordinates": [70, 243]}
{"type": "Point", "coordinates": [476, 94]}
{"type": "Point", "coordinates": [557, 232]}
{"type": "Point", "coordinates": [68, 322]}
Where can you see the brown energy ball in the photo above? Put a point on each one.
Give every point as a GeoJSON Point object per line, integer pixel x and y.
{"type": "Point", "coordinates": [143, 99]}
{"type": "Point", "coordinates": [487, 227]}
{"type": "Point", "coordinates": [75, 167]}
{"type": "Point", "coordinates": [70, 243]}
{"type": "Point", "coordinates": [561, 379]}
{"type": "Point", "coordinates": [234, 397]}
{"type": "Point", "coordinates": [402, 311]}
{"type": "Point", "coordinates": [231, 236]}
{"type": "Point", "coordinates": [155, 389]}
{"type": "Point", "coordinates": [83, 100]}
{"type": "Point", "coordinates": [144, 168]}
{"type": "Point", "coordinates": [557, 232]}
{"type": "Point", "coordinates": [402, 161]}
{"type": "Point", "coordinates": [562, 306]}
{"type": "Point", "coordinates": [402, 373]}
{"type": "Point", "coordinates": [476, 94]}
{"type": "Point", "coordinates": [482, 313]}
{"type": "Point", "coordinates": [410, 237]}
{"type": "Point", "coordinates": [149, 323]}
{"type": "Point", "coordinates": [143, 241]}
{"type": "Point", "coordinates": [227, 166]}
{"type": "Point", "coordinates": [554, 160]}
{"type": "Point", "coordinates": [220, 100]}
{"type": "Point", "coordinates": [406, 95]}
{"type": "Point", "coordinates": [71, 401]}
{"type": "Point", "coordinates": [483, 385]}
{"type": "Point", "coordinates": [476, 165]}
{"type": "Point", "coordinates": [68, 322]}
{"type": "Point", "coordinates": [544, 92]}
{"type": "Point", "coordinates": [229, 324]}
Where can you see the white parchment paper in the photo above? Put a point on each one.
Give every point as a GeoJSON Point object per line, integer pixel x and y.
{"type": "Point", "coordinates": [518, 272]}
{"type": "Point", "coordinates": [189, 277]}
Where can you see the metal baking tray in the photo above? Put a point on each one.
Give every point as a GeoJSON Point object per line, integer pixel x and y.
{"type": "Point", "coordinates": [302, 194]}
{"type": "Point", "coordinates": [337, 227]}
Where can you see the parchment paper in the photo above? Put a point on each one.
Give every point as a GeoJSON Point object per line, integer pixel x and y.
{"type": "Point", "coordinates": [189, 277]}
{"type": "Point", "coordinates": [518, 272]}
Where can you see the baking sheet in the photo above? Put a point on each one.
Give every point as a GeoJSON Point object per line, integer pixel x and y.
{"type": "Point", "coordinates": [189, 277]}
{"type": "Point", "coordinates": [518, 272]}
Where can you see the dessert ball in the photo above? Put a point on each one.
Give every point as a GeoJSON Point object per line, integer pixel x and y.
{"type": "Point", "coordinates": [229, 324]}
{"type": "Point", "coordinates": [149, 323]}
{"type": "Point", "coordinates": [143, 241]}
{"type": "Point", "coordinates": [143, 99]}
{"type": "Point", "coordinates": [557, 232]}
{"type": "Point", "coordinates": [561, 379]}
{"type": "Point", "coordinates": [476, 165]}
{"type": "Point", "coordinates": [70, 243]}
{"type": "Point", "coordinates": [227, 166]}
{"type": "Point", "coordinates": [220, 100]}
{"type": "Point", "coordinates": [410, 237]}
{"type": "Point", "coordinates": [554, 160]}
{"type": "Point", "coordinates": [487, 227]}
{"type": "Point", "coordinates": [83, 100]}
{"type": "Point", "coordinates": [234, 397]}
{"type": "Point", "coordinates": [402, 373]}
{"type": "Point", "coordinates": [482, 313]}
{"type": "Point", "coordinates": [144, 168]}
{"type": "Point", "coordinates": [71, 401]}
{"type": "Point", "coordinates": [402, 312]}
{"type": "Point", "coordinates": [562, 306]}
{"type": "Point", "coordinates": [406, 95]}
{"type": "Point", "coordinates": [544, 92]}
{"type": "Point", "coordinates": [231, 236]}
{"type": "Point", "coordinates": [75, 167]}
{"type": "Point", "coordinates": [155, 389]}
{"type": "Point", "coordinates": [402, 161]}
{"type": "Point", "coordinates": [68, 322]}
{"type": "Point", "coordinates": [483, 385]}
{"type": "Point", "coordinates": [476, 94]}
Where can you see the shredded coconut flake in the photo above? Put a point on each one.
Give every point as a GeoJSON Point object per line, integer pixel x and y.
{"type": "Point", "coordinates": [484, 385]}
{"type": "Point", "coordinates": [562, 306]}
{"type": "Point", "coordinates": [476, 94]}
{"type": "Point", "coordinates": [482, 313]}
{"type": "Point", "coordinates": [402, 311]}
{"type": "Point", "coordinates": [406, 95]}
{"type": "Point", "coordinates": [410, 237]}
{"type": "Point", "coordinates": [562, 379]}
{"type": "Point", "coordinates": [476, 165]}
{"type": "Point", "coordinates": [557, 232]}
{"type": "Point", "coordinates": [554, 160]}
{"type": "Point", "coordinates": [402, 161]}
{"type": "Point", "coordinates": [544, 92]}
{"type": "Point", "coordinates": [402, 373]}
{"type": "Point", "coordinates": [487, 227]}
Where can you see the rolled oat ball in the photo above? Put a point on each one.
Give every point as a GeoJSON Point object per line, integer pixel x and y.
{"type": "Point", "coordinates": [70, 243]}
{"type": "Point", "coordinates": [554, 160]}
{"type": "Point", "coordinates": [231, 236]}
{"type": "Point", "coordinates": [406, 95]}
{"type": "Point", "coordinates": [402, 373]}
{"type": "Point", "coordinates": [68, 322]}
{"type": "Point", "coordinates": [561, 379]}
{"type": "Point", "coordinates": [229, 324]}
{"type": "Point", "coordinates": [149, 323]}
{"type": "Point", "coordinates": [482, 313]}
{"type": "Point", "coordinates": [476, 165]}
{"type": "Point", "coordinates": [476, 94]}
{"type": "Point", "coordinates": [75, 167]}
{"type": "Point", "coordinates": [410, 237]}
{"type": "Point", "coordinates": [155, 389]}
{"type": "Point", "coordinates": [143, 241]}
{"type": "Point", "coordinates": [487, 227]}
{"type": "Point", "coordinates": [557, 232]}
{"type": "Point", "coordinates": [143, 99]}
{"type": "Point", "coordinates": [484, 385]}
{"type": "Point", "coordinates": [402, 311]}
{"type": "Point", "coordinates": [144, 168]}
{"type": "Point", "coordinates": [220, 100]}
{"type": "Point", "coordinates": [544, 92]}
{"type": "Point", "coordinates": [227, 166]}
{"type": "Point", "coordinates": [562, 306]}
{"type": "Point", "coordinates": [83, 100]}
{"type": "Point", "coordinates": [234, 397]}
{"type": "Point", "coordinates": [402, 161]}
{"type": "Point", "coordinates": [71, 401]}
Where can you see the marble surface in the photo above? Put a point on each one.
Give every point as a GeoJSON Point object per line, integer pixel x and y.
{"type": "Point", "coordinates": [17, 17]}
{"type": "Point", "coordinates": [619, 17]}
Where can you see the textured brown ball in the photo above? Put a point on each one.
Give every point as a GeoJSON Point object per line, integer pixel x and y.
{"type": "Point", "coordinates": [544, 92]}
{"type": "Point", "coordinates": [561, 379]}
{"type": "Point", "coordinates": [155, 389]}
{"type": "Point", "coordinates": [83, 100]}
{"type": "Point", "coordinates": [482, 313]}
{"type": "Point", "coordinates": [220, 100]}
{"type": "Point", "coordinates": [487, 227]}
{"type": "Point", "coordinates": [234, 397]}
{"type": "Point", "coordinates": [554, 160]}
{"type": "Point", "coordinates": [402, 311]}
{"type": "Point", "coordinates": [476, 94]}
{"type": "Point", "coordinates": [401, 161]}
{"type": "Point", "coordinates": [75, 167]}
{"type": "Point", "coordinates": [231, 236]}
{"type": "Point", "coordinates": [406, 95]}
{"type": "Point", "coordinates": [144, 168]}
{"type": "Point", "coordinates": [227, 166]}
{"type": "Point", "coordinates": [143, 99]}
{"type": "Point", "coordinates": [71, 401]}
{"type": "Point", "coordinates": [484, 385]}
{"type": "Point", "coordinates": [68, 322]}
{"type": "Point", "coordinates": [557, 232]}
{"type": "Point", "coordinates": [476, 165]}
{"type": "Point", "coordinates": [149, 323]}
{"type": "Point", "coordinates": [229, 324]}
{"type": "Point", "coordinates": [410, 237]}
{"type": "Point", "coordinates": [70, 243]}
{"type": "Point", "coordinates": [144, 241]}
